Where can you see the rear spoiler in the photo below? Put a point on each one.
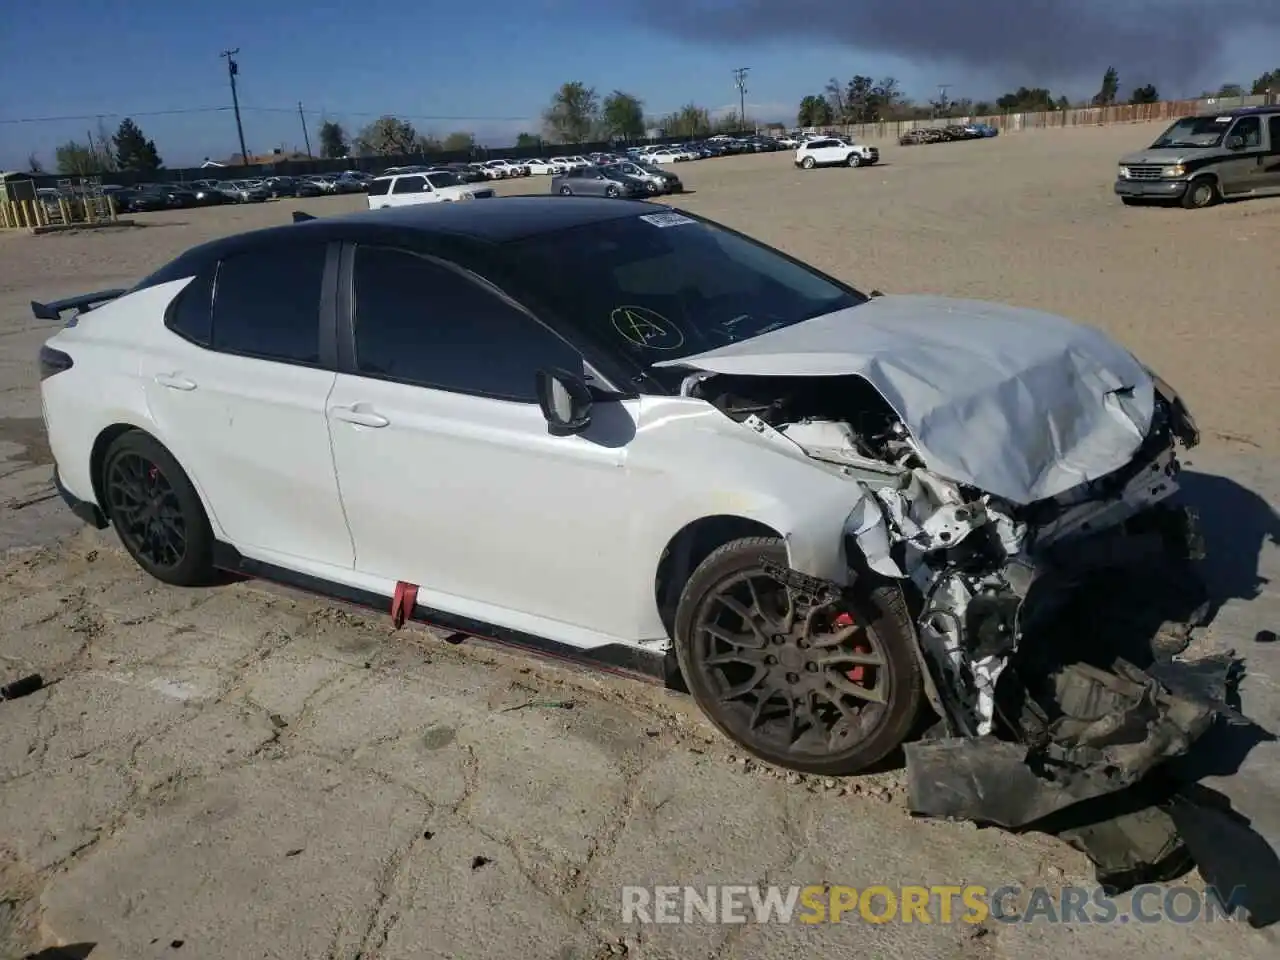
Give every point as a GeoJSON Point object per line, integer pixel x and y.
{"type": "Point", "coordinates": [86, 301]}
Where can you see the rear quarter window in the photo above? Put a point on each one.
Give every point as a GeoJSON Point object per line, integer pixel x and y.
{"type": "Point", "coordinates": [190, 315]}
{"type": "Point", "coordinates": [378, 188]}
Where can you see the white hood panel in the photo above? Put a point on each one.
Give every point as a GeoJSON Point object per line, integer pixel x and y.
{"type": "Point", "coordinates": [1018, 403]}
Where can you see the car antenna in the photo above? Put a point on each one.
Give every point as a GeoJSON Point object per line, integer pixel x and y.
{"type": "Point", "coordinates": [300, 217]}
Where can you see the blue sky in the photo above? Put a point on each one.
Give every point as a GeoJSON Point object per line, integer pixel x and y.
{"type": "Point", "coordinates": [488, 67]}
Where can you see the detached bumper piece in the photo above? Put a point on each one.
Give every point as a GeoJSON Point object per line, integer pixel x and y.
{"type": "Point", "coordinates": [1099, 720]}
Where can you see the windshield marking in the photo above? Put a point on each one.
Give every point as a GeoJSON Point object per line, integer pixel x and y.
{"type": "Point", "coordinates": [646, 328]}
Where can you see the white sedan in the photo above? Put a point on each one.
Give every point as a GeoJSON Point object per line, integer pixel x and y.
{"type": "Point", "coordinates": [653, 444]}
{"type": "Point", "coordinates": [544, 167]}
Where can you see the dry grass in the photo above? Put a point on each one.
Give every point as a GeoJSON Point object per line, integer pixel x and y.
{"type": "Point", "coordinates": [1025, 218]}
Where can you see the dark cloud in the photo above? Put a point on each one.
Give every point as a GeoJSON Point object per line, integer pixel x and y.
{"type": "Point", "coordinates": [1036, 42]}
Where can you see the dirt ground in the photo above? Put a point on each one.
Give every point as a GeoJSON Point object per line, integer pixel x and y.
{"type": "Point", "coordinates": [246, 772]}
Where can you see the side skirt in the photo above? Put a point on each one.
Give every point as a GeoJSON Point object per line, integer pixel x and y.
{"type": "Point", "coordinates": [613, 658]}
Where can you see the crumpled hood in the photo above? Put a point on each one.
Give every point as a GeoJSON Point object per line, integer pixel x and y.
{"type": "Point", "coordinates": [1021, 404]}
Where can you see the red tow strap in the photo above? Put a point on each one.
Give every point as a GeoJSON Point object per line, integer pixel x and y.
{"type": "Point", "coordinates": [403, 602]}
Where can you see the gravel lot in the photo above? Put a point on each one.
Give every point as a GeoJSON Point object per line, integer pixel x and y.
{"type": "Point", "coordinates": [245, 772]}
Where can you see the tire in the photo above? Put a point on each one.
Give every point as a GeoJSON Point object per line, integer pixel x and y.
{"type": "Point", "coordinates": [164, 479]}
{"type": "Point", "coordinates": [854, 160]}
{"type": "Point", "coordinates": [651, 187]}
{"type": "Point", "coordinates": [1131, 201]}
{"type": "Point", "coordinates": [808, 163]}
{"type": "Point", "coordinates": [1201, 193]}
{"type": "Point", "coordinates": [880, 628]}
{"type": "Point", "coordinates": [566, 192]}
{"type": "Point", "coordinates": [611, 192]}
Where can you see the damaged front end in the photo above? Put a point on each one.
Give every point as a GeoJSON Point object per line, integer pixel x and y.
{"type": "Point", "coordinates": [988, 573]}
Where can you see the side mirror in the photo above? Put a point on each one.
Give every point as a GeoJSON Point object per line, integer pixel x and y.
{"type": "Point", "coordinates": [565, 400]}
{"type": "Point", "coordinates": [1235, 143]}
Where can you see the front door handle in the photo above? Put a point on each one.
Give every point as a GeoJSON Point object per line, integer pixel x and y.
{"type": "Point", "coordinates": [175, 381]}
{"type": "Point", "coordinates": [361, 414]}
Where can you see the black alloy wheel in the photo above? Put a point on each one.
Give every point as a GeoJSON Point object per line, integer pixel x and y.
{"type": "Point", "coordinates": [156, 511]}
{"type": "Point", "coordinates": [819, 687]}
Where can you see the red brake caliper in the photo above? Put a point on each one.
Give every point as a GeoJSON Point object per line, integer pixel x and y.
{"type": "Point", "coordinates": [858, 673]}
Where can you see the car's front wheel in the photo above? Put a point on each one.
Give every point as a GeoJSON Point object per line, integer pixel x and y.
{"type": "Point", "coordinates": [808, 163]}
{"type": "Point", "coordinates": [156, 511]}
{"type": "Point", "coordinates": [565, 192]}
{"type": "Point", "coordinates": [1201, 193]}
{"type": "Point", "coordinates": [854, 160]}
{"type": "Point", "coordinates": [611, 192]}
{"type": "Point", "coordinates": [824, 688]}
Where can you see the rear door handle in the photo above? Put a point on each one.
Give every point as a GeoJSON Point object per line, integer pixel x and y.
{"type": "Point", "coordinates": [361, 414]}
{"type": "Point", "coordinates": [175, 381]}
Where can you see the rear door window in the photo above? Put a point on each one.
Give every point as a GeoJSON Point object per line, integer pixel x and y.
{"type": "Point", "coordinates": [266, 303]}
{"type": "Point", "coordinates": [379, 188]}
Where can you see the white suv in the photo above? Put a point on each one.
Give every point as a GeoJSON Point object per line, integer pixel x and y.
{"type": "Point", "coordinates": [433, 186]}
{"type": "Point", "coordinates": [833, 152]}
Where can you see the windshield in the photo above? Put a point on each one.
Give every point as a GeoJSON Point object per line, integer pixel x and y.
{"type": "Point", "coordinates": [662, 286]}
{"type": "Point", "coordinates": [1194, 132]}
{"type": "Point", "coordinates": [443, 179]}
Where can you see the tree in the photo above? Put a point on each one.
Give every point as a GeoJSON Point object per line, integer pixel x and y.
{"type": "Point", "coordinates": [622, 115]}
{"type": "Point", "coordinates": [814, 112]}
{"type": "Point", "coordinates": [690, 120]}
{"type": "Point", "coordinates": [834, 93]}
{"type": "Point", "coordinates": [528, 140]}
{"type": "Point", "coordinates": [1147, 94]}
{"type": "Point", "coordinates": [387, 136]}
{"type": "Point", "coordinates": [730, 123]}
{"type": "Point", "coordinates": [1268, 82]}
{"type": "Point", "coordinates": [983, 109]}
{"type": "Point", "coordinates": [76, 159]}
{"type": "Point", "coordinates": [333, 141]}
{"type": "Point", "coordinates": [426, 143]}
{"type": "Point", "coordinates": [33, 163]}
{"type": "Point", "coordinates": [459, 141]}
{"type": "Point", "coordinates": [134, 152]}
{"type": "Point", "coordinates": [1024, 100]}
{"type": "Point", "coordinates": [1110, 89]}
{"type": "Point", "coordinates": [573, 113]}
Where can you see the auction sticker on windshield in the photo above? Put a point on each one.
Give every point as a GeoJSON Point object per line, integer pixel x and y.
{"type": "Point", "coordinates": [666, 219]}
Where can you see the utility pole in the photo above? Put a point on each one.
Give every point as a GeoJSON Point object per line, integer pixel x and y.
{"type": "Point", "coordinates": [305, 137]}
{"type": "Point", "coordinates": [233, 69]}
{"type": "Point", "coordinates": [740, 81]}
{"type": "Point", "coordinates": [942, 96]}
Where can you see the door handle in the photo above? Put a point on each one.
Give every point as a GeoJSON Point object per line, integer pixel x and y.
{"type": "Point", "coordinates": [175, 381]}
{"type": "Point", "coordinates": [361, 414]}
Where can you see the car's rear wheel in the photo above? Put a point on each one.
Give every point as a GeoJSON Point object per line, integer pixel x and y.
{"type": "Point", "coordinates": [1201, 193]}
{"type": "Point", "coordinates": [821, 688]}
{"type": "Point", "coordinates": [808, 163]}
{"type": "Point", "coordinates": [565, 192]}
{"type": "Point", "coordinates": [854, 160]}
{"type": "Point", "coordinates": [611, 192]}
{"type": "Point", "coordinates": [651, 187]}
{"type": "Point", "coordinates": [156, 511]}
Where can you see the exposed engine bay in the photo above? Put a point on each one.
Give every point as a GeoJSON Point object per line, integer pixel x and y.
{"type": "Point", "coordinates": [982, 570]}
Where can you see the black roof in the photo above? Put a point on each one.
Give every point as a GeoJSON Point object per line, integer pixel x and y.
{"type": "Point", "coordinates": [495, 220]}
{"type": "Point", "coordinates": [1246, 111]}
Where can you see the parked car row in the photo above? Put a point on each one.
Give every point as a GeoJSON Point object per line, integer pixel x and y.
{"type": "Point", "coordinates": [949, 133]}
{"type": "Point", "coordinates": [206, 193]}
